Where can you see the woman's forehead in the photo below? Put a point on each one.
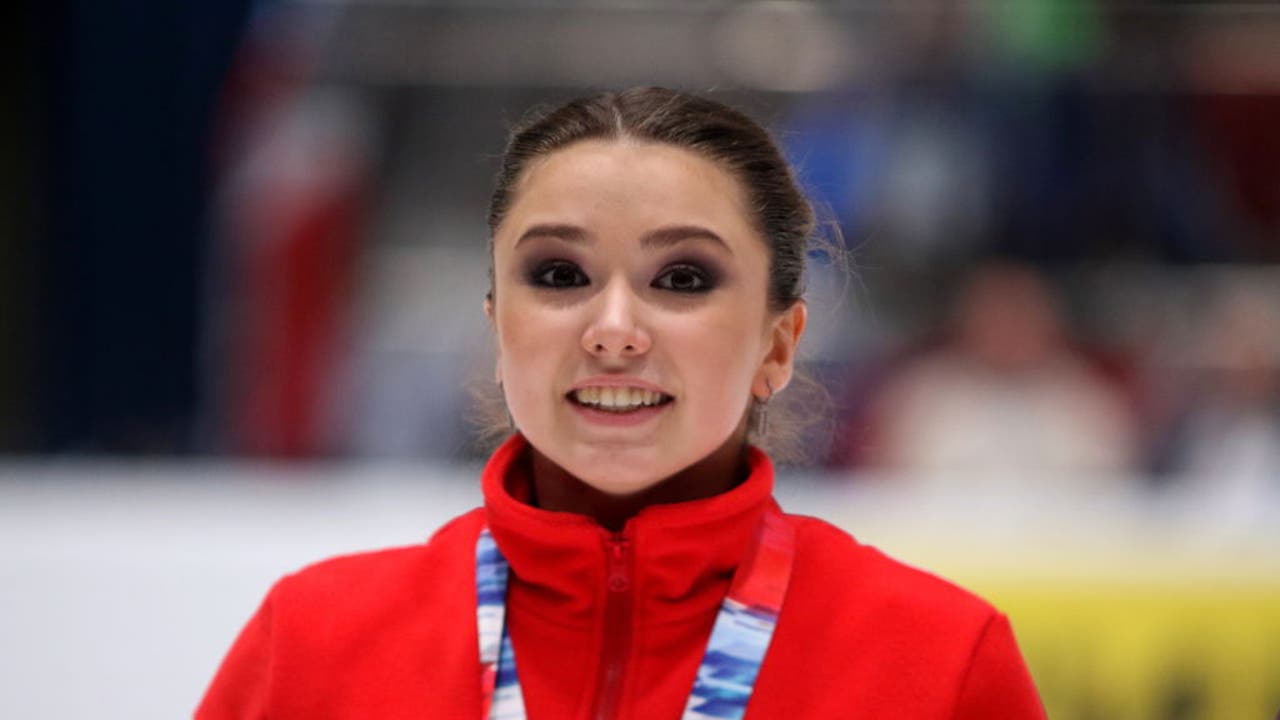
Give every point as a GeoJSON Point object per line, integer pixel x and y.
{"type": "Point", "coordinates": [623, 180]}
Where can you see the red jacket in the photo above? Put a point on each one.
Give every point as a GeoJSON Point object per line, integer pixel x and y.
{"type": "Point", "coordinates": [621, 621]}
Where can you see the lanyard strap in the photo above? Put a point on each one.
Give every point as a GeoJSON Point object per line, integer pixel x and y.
{"type": "Point", "coordinates": [501, 698]}
{"type": "Point", "coordinates": [739, 640]}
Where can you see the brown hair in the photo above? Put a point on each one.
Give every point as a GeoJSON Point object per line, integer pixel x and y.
{"type": "Point", "coordinates": [781, 212]}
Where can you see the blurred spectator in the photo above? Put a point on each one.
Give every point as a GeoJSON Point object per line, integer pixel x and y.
{"type": "Point", "coordinates": [1235, 104]}
{"type": "Point", "coordinates": [1227, 440]}
{"type": "Point", "coordinates": [295, 178]}
{"type": "Point", "coordinates": [1004, 402]}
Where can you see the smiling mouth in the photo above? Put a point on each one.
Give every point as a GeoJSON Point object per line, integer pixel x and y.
{"type": "Point", "coordinates": [618, 399]}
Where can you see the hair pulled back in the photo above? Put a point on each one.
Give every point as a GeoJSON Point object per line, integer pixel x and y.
{"type": "Point", "coordinates": [781, 213]}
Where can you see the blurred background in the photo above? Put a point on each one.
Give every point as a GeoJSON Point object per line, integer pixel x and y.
{"type": "Point", "coordinates": [243, 253]}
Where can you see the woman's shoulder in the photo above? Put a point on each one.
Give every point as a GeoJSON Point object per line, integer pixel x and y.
{"type": "Point", "coordinates": [901, 640]}
{"type": "Point", "coordinates": [927, 629]}
{"type": "Point", "coordinates": [342, 635]}
{"type": "Point", "coordinates": [861, 576]}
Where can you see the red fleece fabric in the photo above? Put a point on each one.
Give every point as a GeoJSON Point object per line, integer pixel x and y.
{"type": "Point", "coordinates": [392, 634]}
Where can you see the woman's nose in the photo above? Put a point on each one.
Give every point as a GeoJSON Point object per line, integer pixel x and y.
{"type": "Point", "coordinates": [614, 329]}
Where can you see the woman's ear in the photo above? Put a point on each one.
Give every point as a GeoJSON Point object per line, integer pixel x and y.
{"type": "Point", "coordinates": [780, 356]}
{"type": "Point", "coordinates": [497, 359]}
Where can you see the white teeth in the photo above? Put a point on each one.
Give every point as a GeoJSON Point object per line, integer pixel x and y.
{"type": "Point", "coordinates": [618, 399]}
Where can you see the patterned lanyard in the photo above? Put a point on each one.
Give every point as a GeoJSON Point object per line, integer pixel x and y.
{"type": "Point", "coordinates": [739, 639]}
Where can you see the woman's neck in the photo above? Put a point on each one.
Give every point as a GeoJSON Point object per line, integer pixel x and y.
{"type": "Point", "coordinates": [557, 490]}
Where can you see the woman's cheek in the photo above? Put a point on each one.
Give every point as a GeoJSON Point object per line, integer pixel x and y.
{"type": "Point", "coordinates": [531, 348]}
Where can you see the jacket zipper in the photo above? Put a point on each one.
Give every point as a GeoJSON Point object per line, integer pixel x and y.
{"type": "Point", "coordinates": [617, 628]}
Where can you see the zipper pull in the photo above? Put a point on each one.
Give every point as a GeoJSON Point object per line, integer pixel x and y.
{"type": "Point", "coordinates": [619, 577]}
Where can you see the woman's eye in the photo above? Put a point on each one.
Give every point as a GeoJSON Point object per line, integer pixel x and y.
{"type": "Point", "coordinates": [684, 279]}
{"type": "Point", "coordinates": [559, 274]}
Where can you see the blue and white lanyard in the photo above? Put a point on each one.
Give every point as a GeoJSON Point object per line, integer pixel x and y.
{"type": "Point", "coordinates": [739, 639]}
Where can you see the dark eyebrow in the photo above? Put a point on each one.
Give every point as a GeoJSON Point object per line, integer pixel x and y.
{"type": "Point", "coordinates": [660, 238]}
{"type": "Point", "coordinates": [666, 237]}
{"type": "Point", "coordinates": [568, 233]}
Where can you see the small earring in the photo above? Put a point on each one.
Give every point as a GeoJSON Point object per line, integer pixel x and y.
{"type": "Point", "coordinates": [511, 422]}
{"type": "Point", "coordinates": [761, 420]}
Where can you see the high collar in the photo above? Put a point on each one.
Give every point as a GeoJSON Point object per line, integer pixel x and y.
{"type": "Point", "coordinates": [681, 555]}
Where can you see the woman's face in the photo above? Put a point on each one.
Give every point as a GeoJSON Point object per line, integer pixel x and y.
{"type": "Point", "coordinates": [631, 314]}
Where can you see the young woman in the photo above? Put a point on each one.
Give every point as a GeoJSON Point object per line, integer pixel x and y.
{"type": "Point", "coordinates": [629, 561]}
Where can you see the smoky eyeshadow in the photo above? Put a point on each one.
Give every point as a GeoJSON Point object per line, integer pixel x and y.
{"type": "Point", "coordinates": [559, 270]}
{"type": "Point", "coordinates": [536, 264]}
{"type": "Point", "coordinates": [711, 271]}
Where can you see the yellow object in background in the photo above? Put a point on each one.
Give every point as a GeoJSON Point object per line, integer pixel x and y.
{"type": "Point", "coordinates": [1126, 607]}
{"type": "Point", "coordinates": [1148, 651]}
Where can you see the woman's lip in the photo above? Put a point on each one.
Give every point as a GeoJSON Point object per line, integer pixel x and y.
{"type": "Point", "coordinates": [616, 381]}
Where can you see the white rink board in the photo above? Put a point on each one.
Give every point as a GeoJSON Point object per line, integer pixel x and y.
{"type": "Point", "coordinates": [122, 584]}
